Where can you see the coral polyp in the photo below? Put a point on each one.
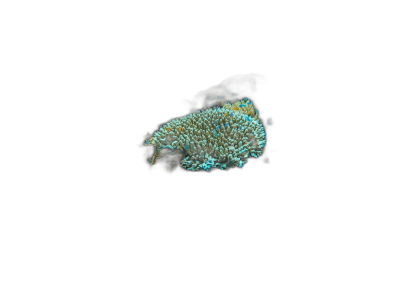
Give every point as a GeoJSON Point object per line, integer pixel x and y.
{"type": "Point", "coordinates": [217, 137]}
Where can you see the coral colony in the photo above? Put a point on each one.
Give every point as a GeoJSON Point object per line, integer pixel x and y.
{"type": "Point", "coordinates": [217, 137]}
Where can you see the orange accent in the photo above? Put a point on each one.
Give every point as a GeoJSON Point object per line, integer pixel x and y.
{"type": "Point", "coordinates": [168, 129]}
{"type": "Point", "coordinates": [180, 128]}
{"type": "Point", "coordinates": [235, 108]}
{"type": "Point", "coordinates": [226, 114]}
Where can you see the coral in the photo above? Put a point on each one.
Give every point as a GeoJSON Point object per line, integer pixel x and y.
{"type": "Point", "coordinates": [243, 106]}
{"type": "Point", "coordinates": [218, 137]}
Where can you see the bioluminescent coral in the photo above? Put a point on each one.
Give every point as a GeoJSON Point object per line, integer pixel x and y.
{"type": "Point", "coordinates": [217, 137]}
